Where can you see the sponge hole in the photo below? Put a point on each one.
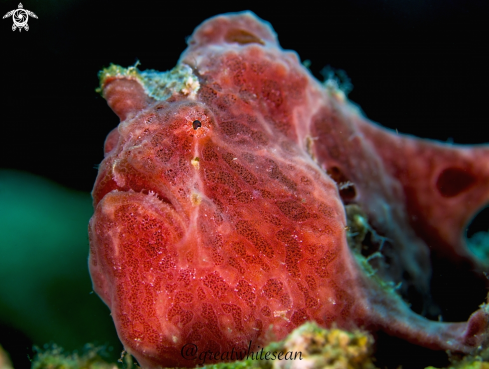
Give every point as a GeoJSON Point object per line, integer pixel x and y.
{"type": "Point", "coordinates": [453, 181]}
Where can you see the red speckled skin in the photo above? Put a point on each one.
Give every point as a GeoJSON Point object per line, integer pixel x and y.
{"type": "Point", "coordinates": [249, 240]}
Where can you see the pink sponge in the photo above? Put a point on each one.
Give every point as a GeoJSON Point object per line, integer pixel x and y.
{"type": "Point", "coordinates": [220, 206]}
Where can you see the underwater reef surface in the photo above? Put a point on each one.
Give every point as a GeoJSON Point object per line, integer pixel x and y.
{"type": "Point", "coordinates": [308, 346]}
{"type": "Point", "coordinates": [239, 198]}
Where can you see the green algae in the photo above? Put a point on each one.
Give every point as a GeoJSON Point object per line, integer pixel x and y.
{"type": "Point", "coordinates": [55, 358]}
{"type": "Point", "coordinates": [309, 346]}
{"type": "Point", "coordinates": [466, 364]}
{"type": "Point", "coordinates": [479, 360]}
{"type": "Point", "coordinates": [358, 228]}
{"type": "Point", "coordinates": [313, 348]}
{"type": "Point", "coordinates": [158, 85]}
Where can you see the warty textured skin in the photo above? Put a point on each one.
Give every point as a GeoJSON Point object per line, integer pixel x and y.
{"type": "Point", "coordinates": [236, 231]}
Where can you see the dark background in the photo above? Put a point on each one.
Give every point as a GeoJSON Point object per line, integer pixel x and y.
{"type": "Point", "coordinates": [417, 66]}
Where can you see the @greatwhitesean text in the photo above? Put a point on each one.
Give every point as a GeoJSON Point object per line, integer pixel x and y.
{"type": "Point", "coordinates": [190, 351]}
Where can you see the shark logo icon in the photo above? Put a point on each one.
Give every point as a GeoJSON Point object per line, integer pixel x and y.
{"type": "Point", "coordinates": [20, 17]}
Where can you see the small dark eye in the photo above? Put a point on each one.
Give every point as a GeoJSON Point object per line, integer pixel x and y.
{"type": "Point", "coordinates": [196, 124]}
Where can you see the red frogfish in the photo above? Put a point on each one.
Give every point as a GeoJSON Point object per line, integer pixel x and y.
{"type": "Point", "coordinates": [239, 197]}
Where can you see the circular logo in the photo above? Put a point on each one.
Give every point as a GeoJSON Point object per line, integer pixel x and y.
{"type": "Point", "coordinates": [20, 17]}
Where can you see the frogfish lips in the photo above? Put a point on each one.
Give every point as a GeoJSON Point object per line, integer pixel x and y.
{"type": "Point", "coordinates": [239, 198]}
